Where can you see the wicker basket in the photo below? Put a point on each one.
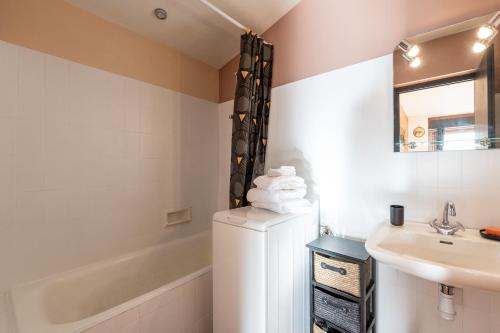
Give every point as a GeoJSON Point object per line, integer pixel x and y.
{"type": "Point", "coordinates": [317, 329]}
{"type": "Point", "coordinates": [338, 311]}
{"type": "Point", "coordinates": [339, 274]}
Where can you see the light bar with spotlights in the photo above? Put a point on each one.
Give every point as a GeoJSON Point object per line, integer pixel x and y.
{"type": "Point", "coordinates": [410, 53]}
{"type": "Point", "coordinates": [486, 33]}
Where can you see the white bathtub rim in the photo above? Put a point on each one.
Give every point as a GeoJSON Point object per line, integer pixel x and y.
{"type": "Point", "coordinates": [37, 321]}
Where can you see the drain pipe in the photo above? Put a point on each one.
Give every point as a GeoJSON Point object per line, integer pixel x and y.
{"type": "Point", "coordinates": [446, 304]}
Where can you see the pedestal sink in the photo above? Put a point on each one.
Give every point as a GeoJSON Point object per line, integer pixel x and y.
{"type": "Point", "coordinates": [462, 260]}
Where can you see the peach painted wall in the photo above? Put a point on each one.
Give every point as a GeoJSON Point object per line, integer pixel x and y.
{"type": "Point", "coordinates": [318, 36]}
{"type": "Point", "coordinates": [58, 28]}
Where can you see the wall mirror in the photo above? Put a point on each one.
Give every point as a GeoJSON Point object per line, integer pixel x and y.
{"type": "Point", "coordinates": [447, 88]}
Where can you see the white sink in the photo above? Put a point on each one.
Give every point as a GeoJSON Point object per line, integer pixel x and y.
{"type": "Point", "coordinates": [462, 260]}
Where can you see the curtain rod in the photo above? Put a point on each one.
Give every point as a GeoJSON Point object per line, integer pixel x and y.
{"type": "Point", "coordinates": [226, 16]}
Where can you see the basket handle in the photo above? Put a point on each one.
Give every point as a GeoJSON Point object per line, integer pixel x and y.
{"type": "Point", "coordinates": [340, 270]}
{"type": "Point", "coordinates": [321, 324]}
{"type": "Point", "coordinates": [325, 301]}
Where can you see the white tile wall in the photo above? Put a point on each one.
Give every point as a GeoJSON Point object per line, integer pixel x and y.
{"type": "Point", "coordinates": [412, 306]}
{"type": "Point", "coordinates": [336, 128]}
{"type": "Point", "coordinates": [91, 161]}
{"type": "Point", "coordinates": [185, 309]}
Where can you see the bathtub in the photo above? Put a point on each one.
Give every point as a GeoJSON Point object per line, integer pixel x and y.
{"type": "Point", "coordinates": [158, 289]}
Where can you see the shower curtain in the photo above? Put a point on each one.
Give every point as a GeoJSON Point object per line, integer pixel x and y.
{"type": "Point", "coordinates": [250, 116]}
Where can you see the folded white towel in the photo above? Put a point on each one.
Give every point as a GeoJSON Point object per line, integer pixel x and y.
{"type": "Point", "coordinates": [282, 171]}
{"type": "Point", "coordinates": [277, 196]}
{"type": "Point", "coordinates": [279, 183]}
{"type": "Point", "coordinates": [290, 206]}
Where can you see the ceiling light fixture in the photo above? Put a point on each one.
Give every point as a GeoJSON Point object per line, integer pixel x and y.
{"type": "Point", "coordinates": [479, 46]}
{"type": "Point", "coordinates": [410, 53]}
{"type": "Point", "coordinates": [486, 33]}
{"type": "Point", "coordinates": [413, 51]}
{"type": "Point", "coordinates": [415, 62]}
{"type": "Point", "coordinates": [160, 13]}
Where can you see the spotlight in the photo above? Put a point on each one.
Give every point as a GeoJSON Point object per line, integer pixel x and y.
{"type": "Point", "coordinates": [486, 31]}
{"type": "Point", "coordinates": [415, 62]}
{"type": "Point", "coordinates": [479, 47]}
{"type": "Point", "coordinates": [413, 51]}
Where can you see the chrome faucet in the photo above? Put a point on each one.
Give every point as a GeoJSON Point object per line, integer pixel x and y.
{"type": "Point", "coordinates": [445, 228]}
{"type": "Point", "coordinates": [449, 209]}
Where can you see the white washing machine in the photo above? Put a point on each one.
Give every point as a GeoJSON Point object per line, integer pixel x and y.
{"type": "Point", "coordinates": [260, 270]}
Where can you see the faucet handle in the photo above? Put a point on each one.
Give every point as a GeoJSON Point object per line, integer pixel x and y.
{"type": "Point", "coordinates": [433, 225]}
{"type": "Point", "coordinates": [460, 226]}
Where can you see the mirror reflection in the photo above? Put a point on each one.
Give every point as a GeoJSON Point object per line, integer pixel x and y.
{"type": "Point", "coordinates": [445, 87]}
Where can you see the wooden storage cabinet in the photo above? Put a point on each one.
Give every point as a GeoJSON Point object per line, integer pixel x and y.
{"type": "Point", "coordinates": [342, 286]}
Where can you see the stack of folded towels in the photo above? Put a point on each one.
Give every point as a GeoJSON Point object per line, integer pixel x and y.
{"type": "Point", "coordinates": [281, 191]}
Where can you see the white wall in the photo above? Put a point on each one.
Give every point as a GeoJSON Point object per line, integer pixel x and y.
{"type": "Point", "coordinates": [90, 162]}
{"type": "Point", "coordinates": [337, 129]}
